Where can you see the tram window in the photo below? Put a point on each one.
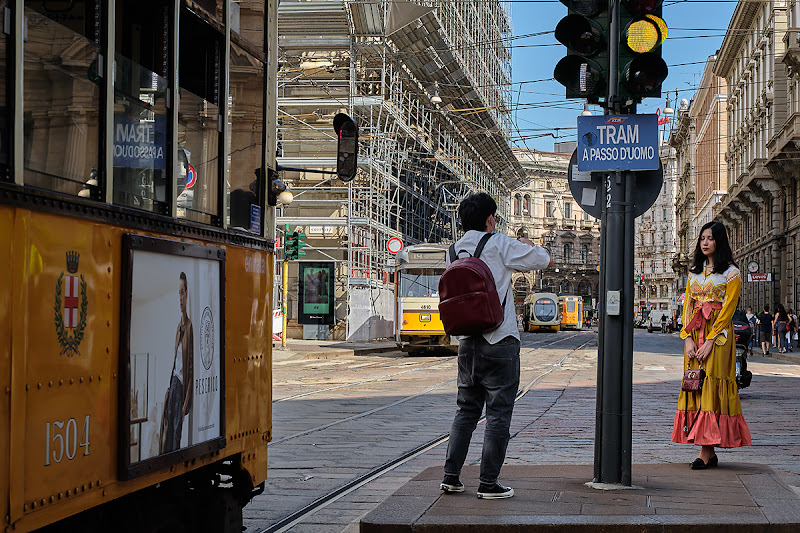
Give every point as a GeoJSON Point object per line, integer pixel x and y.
{"type": "Point", "coordinates": [198, 117]}
{"type": "Point", "coordinates": [5, 132]}
{"type": "Point", "coordinates": [570, 307]}
{"type": "Point", "coordinates": [420, 282]}
{"type": "Point", "coordinates": [61, 94]}
{"type": "Point", "coordinates": [141, 159]}
{"type": "Point", "coordinates": [245, 130]}
{"type": "Point", "coordinates": [544, 309]}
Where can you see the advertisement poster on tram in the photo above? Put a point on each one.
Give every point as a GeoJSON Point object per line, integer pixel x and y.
{"type": "Point", "coordinates": [175, 362]}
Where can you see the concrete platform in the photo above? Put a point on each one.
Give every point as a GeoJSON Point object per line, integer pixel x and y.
{"type": "Point", "coordinates": [553, 498]}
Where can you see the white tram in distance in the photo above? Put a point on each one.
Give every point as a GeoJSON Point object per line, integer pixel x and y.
{"type": "Point", "coordinates": [541, 312]}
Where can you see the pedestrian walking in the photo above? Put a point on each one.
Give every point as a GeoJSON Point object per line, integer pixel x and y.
{"type": "Point", "coordinates": [711, 417]}
{"type": "Point", "coordinates": [791, 329]}
{"type": "Point", "coordinates": [765, 329]}
{"type": "Point", "coordinates": [488, 363]}
{"type": "Point", "coordinates": [779, 327]}
{"type": "Point", "coordinates": [753, 321]}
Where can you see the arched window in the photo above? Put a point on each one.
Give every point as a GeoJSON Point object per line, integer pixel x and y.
{"type": "Point", "coordinates": [517, 207]}
{"type": "Point", "coordinates": [567, 252]}
{"type": "Point", "coordinates": [526, 206]}
{"type": "Point", "coordinates": [522, 233]}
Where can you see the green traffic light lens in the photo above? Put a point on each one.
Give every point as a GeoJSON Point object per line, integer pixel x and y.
{"type": "Point", "coordinates": [644, 74]}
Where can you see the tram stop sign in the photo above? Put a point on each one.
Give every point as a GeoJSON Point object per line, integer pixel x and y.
{"type": "Point", "coordinates": [618, 142]}
{"type": "Point", "coordinates": [588, 189]}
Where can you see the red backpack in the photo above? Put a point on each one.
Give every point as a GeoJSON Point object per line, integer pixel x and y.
{"type": "Point", "coordinates": [468, 299]}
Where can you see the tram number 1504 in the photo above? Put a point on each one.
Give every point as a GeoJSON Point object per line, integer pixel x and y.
{"type": "Point", "coordinates": [62, 439]}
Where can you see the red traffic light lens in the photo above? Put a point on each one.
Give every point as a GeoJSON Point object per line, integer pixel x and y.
{"type": "Point", "coordinates": [581, 35]}
{"type": "Point", "coordinates": [587, 8]}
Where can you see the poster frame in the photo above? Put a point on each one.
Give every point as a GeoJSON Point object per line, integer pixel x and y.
{"type": "Point", "coordinates": [135, 242]}
{"type": "Point", "coordinates": [307, 318]}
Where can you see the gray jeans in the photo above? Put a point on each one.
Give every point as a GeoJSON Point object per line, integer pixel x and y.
{"type": "Point", "coordinates": [487, 374]}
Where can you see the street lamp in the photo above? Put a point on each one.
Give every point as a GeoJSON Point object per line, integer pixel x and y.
{"type": "Point", "coordinates": [436, 99]}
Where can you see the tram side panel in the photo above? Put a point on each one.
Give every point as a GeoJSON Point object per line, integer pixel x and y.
{"type": "Point", "coordinates": [6, 333]}
{"type": "Point", "coordinates": [64, 365]}
{"type": "Point", "coordinates": [248, 358]}
{"type": "Point", "coordinates": [62, 405]}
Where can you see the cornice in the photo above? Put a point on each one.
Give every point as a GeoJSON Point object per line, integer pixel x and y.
{"type": "Point", "coordinates": [741, 22]}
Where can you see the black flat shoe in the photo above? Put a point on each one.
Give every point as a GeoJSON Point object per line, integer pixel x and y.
{"type": "Point", "coordinates": [699, 464]}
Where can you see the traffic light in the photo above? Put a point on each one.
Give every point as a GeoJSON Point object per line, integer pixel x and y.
{"type": "Point", "coordinates": [347, 146]}
{"type": "Point", "coordinates": [642, 31]}
{"type": "Point", "coordinates": [275, 186]}
{"type": "Point", "coordinates": [584, 31]}
{"type": "Point", "coordinates": [293, 242]}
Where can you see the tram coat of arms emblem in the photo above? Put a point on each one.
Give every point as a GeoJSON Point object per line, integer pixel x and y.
{"type": "Point", "coordinates": [71, 307]}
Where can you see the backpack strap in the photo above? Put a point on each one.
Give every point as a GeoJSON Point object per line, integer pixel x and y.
{"type": "Point", "coordinates": [481, 244]}
{"type": "Point", "coordinates": [477, 255]}
{"type": "Point", "coordinates": [452, 251]}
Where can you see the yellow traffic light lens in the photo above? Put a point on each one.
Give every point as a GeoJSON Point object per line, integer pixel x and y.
{"type": "Point", "coordinates": [643, 35]}
{"type": "Point", "coordinates": [662, 26]}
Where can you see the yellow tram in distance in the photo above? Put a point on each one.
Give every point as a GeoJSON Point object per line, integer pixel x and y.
{"type": "Point", "coordinates": [541, 312]}
{"type": "Point", "coordinates": [418, 326]}
{"type": "Point", "coordinates": [571, 311]}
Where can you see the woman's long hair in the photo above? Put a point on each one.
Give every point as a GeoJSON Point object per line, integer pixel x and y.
{"type": "Point", "coordinates": [782, 316]}
{"type": "Point", "coordinates": [723, 256]}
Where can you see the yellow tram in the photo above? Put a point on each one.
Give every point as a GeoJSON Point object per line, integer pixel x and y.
{"type": "Point", "coordinates": [418, 326]}
{"type": "Point", "coordinates": [541, 312]}
{"type": "Point", "coordinates": [135, 342]}
{"type": "Point", "coordinates": [571, 311]}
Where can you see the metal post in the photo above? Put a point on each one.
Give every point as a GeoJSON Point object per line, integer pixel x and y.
{"type": "Point", "coordinates": [284, 307]}
{"type": "Point", "coordinates": [612, 457]}
{"type": "Point", "coordinates": [626, 392]}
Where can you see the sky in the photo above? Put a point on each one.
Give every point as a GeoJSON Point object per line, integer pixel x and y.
{"type": "Point", "coordinates": [540, 111]}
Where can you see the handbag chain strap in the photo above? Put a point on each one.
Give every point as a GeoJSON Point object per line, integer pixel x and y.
{"type": "Point", "coordinates": [686, 428]}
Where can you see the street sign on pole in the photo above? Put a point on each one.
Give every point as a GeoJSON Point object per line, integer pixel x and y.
{"type": "Point", "coordinates": [618, 142]}
{"type": "Point", "coordinates": [588, 190]}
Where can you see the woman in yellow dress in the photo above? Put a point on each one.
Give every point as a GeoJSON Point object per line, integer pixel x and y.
{"type": "Point", "coordinates": [711, 418]}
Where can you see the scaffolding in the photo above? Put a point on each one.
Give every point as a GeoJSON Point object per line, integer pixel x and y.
{"type": "Point", "coordinates": [430, 96]}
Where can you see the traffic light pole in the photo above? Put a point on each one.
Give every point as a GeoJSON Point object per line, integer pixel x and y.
{"type": "Point", "coordinates": [613, 428]}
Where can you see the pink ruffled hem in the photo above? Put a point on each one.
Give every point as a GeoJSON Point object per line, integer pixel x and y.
{"type": "Point", "coordinates": [711, 429]}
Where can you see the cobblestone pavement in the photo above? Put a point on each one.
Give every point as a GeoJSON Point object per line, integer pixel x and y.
{"type": "Point", "coordinates": [413, 400]}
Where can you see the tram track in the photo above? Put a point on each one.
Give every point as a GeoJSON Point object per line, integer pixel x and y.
{"type": "Point", "coordinates": [298, 516]}
{"type": "Point", "coordinates": [422, 366]}
{"type": "Point", "coordinates": [393, 404]}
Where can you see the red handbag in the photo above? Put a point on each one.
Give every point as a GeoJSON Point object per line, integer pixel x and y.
{"type": "Point", "coordinates": [693, 380]}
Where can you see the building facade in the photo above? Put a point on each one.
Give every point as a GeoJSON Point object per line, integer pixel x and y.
{"type": "Point", "coordinates": [544, 211]}
{"type": "Point", "coordinates": [655, 245]}
{"type": "Point", "coordinates": [682, 140]}
{"type": "Point", "coordinates": [433, 113]}
{"type": "Point", "coordinates": [756, 60]}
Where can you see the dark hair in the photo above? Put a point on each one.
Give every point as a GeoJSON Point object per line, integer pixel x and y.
{"type": "Point", "coordinates": [185, 283]}
{"type": "Point", "coordinates": [474, 210]}
{"type": "Point", "coordinates": [782, 313]}
{"type": "Point", "coordinates": [723, 256]}
{"type": "Point", "coordinates": [766, 308]}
